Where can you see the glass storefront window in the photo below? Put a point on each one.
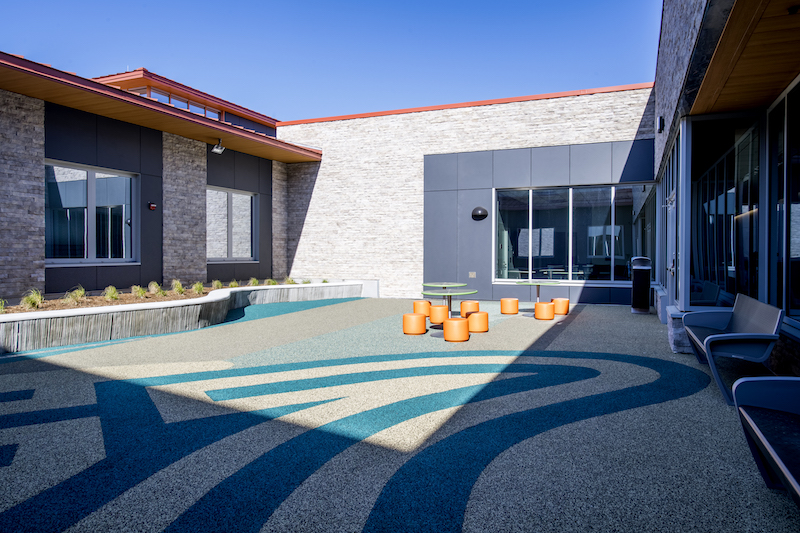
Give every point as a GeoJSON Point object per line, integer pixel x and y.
{"type": "Point", "coordinates": [549, 245]}
{"type": "Point", "coordinates": [512, 235]}
{"type": "Point", "coordinates": [593, 237]}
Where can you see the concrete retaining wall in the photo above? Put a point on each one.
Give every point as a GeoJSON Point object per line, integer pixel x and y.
{"type": "Point", "coordinates": [46, 329]}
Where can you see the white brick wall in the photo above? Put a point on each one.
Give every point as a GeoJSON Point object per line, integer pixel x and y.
{"type": "Point", "coordinates": [359, 213]}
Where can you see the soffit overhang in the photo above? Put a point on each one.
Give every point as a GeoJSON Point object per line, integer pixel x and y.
{"type": "Point", "coordinates": [756, 58]}
{"type": "Point", "coordinates": [43, 82]}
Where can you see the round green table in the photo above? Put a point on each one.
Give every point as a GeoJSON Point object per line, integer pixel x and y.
{"type": "Point", "coordinates": [447, 294]}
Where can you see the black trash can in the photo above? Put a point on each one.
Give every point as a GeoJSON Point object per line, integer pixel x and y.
{"type": "Point", "coordinates": [640, 292]}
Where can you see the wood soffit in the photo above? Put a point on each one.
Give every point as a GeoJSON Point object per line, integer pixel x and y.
{"type": "Point", "coordinates": [43, 82]}
{"type": "Point", "coordinates": [756, 58]}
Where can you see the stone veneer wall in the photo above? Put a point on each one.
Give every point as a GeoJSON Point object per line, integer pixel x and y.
{"type": "Point", "coordinates": [22, 192]}
{"type": "Point", "coordinates": [680, 23]}
{"type": "Point", "coordinates": [359, 213]}
{"type": "Point", "coordinates": [280, 220]}
{"type": "Point", "coordinates": [184, 210]}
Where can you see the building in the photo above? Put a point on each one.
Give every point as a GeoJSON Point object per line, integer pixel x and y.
{"type": "Point", "coordinates": [698, 171]}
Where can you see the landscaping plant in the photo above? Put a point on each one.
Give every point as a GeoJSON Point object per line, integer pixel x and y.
{"type": "Point", "coordinates": [270, 281]}
{"type": "Point", "coordinates": [216, 284]}
{"type": "Point", "coordinates": [2, 306]}
{"type": "Point", "coordinates": [233, 284]}
{"type": "Point", "coordinates": [111, 293]}
{"type": "Point", "coordinates": [177, 286]}
{"type": "Point", "coordinates": [289, 281]}
{"type": "Point", "coordinates": [198, 288]}
{"type": "Point", "coordinates": [33, 299]}
{"type": "Point", "coordinates": [253, 282]}
{"type": "Point", "coordinates": [139, 291]}
{"type": "Point", "coordinates": [76, 295]}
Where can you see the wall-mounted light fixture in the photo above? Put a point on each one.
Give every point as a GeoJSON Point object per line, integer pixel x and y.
{"type": "Point", "coordinates": [218, 148]}
{"type": "Point", "coordinates": [479, 213]}
{"type": "Point", "coordinates": [151, 206]}
{"type": "Point", "coordinates": [660, 124]}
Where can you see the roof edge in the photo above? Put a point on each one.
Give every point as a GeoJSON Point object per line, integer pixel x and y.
{"type": "Point", "coordinates": [478, 103]}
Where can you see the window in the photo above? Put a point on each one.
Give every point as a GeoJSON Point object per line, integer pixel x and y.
{"type": "Point", "coordinates": [88, 214]}
{"type": "Point", "coordinates": [230, 219]}
{"type": "Point", "coordinates": [608, 226]}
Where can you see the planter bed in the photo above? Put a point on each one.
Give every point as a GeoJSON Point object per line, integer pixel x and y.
{"type": "Point", "coordinates": [21, 332]}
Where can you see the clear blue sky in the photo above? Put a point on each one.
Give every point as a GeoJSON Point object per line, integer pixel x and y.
{"type": "Point", "coordinates": [305, 59]}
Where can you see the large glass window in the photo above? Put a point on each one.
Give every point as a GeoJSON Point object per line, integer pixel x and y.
{"type": "Point", "coordinates": [608, 226]}
{"type": "Point", "coordinates": [793, 203]}
{"type": "Point", "coordinates": [230, 219]}
{"type": "Point", "coordinates": [724, 240]}
{"type": "Point", "coordinates": [88, 214]}
{"type": "Point", "coordinates": [513, 242]}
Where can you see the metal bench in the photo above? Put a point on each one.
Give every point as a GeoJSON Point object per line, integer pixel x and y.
{"type": "Point", "coordinates": [769, 409]}
{"type": "Point", "coordinates": [748, 332]}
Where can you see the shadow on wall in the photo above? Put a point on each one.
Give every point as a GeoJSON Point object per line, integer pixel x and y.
{"type": "Point", "coordinates": [302, 177]}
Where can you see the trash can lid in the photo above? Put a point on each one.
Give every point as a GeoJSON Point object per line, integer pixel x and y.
{"type": "Point", "coordinates": [641, 262]}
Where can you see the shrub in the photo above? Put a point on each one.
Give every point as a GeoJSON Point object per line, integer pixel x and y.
{"type": "Point", "coordinates": [153, 287]}
{"type": "Point", "coordinates": [253, 282]}
{"type": "Point", "coordinates": [270, 281]}
{"type": "Point", "coordinates": [111, 293]}
{"type": "Point", "coordinates": [33, 299]}
{"type": "Point", "coordinates": [177, 286]}
{"type": "Point", "coordinates": [306, 282]}
{"type": "Point", "coordinates": [324, 281]}
{"type": "Point", "coordinates": [76, 295]}
{"type": "Point", "coordinates": [2, 306]}
{"type": "Point", "coordinates": [198, 288]}
{"type": "Point", "coordinates": [289, 281]}
{"type": "Point", "coordinates": [216, 284]}
{"type": "Point", "coordinates": [233, 284]}
{"type": "Point", "coordinates": [138, 291]}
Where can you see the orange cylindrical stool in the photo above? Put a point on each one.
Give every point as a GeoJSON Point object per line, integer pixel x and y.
{"type": "Point", "coordinates": [422, 306]}
{"type": "Point", "coordinates": [509, 306]}
{"type": "Point", "coordinates": [544, 310]}
{"type": "Point", "coordinates": [469, 306]}
{"type": "Point", "coordinates": [414, 323]}
{"type": "Point", "coordinates": [478, 322]}
{"type": "Point", "coordinates": [438, 314]}
{"type": "Point", "coordinates": [561, 305]}
{"type": "Point", "coordinates": [456, 329]}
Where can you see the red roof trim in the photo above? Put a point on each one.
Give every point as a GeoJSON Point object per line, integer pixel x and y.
{"type": "Point", "coordinates": [43, 71]}
{"type": "Point", "coordinates": [547, 96]}
{"type": "Point", "coordinates": [190, 92]}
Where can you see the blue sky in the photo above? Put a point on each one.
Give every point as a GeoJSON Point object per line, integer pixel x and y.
{"type": "Point", "coordinates": [294, 60]}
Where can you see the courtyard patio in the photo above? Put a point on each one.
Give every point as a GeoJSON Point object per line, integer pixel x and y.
{"type": "Point", "coordinates": [324, 416]}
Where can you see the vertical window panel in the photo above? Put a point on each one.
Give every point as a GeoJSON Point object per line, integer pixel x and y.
{"type": "Point", "coordinates": [512, 235]}
{"type": "Point", "coordinates": [216, 224]}
{"type": "Point", "coordinates": [592, 232]}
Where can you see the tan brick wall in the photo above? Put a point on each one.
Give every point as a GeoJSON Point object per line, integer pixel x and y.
{"type": "Point", "coordinates": [184, 190]}
{"type": "Point", "coordinates": [359, 213]}
{"type": "Point", "coordinates": [21, 194]}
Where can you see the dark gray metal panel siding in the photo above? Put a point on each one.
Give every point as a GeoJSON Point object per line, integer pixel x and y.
{"type": "Point", "coordinates": [120, 276]}
{"type": "Point", "coordinates": [512, 168]}
{"type": "Point", "coordinates": [151, 247]}
{"type": "Point", "coordinates": [440, 241]}
{"type": "Point", "coordinates": [550, 166]}
{"type": "Point", "coordinates": [474, 242]}
{"type": "Point", "coordinates": [224, 272]}
{"type": "Point", "coordinates": [590, 163]}
{"type": "Point", "coordinates": [441, 172]}
{"type": "Point", "coordinates": [151, 152]}
{"type": "Point", "coordinates": [70, 135]}
{"type": "Point", "coordinates": [589, 295]}
{"type": "Point", "coordinates": [220, 168]}
{"type": "Point", "coordinates": [246, 172]}
{"type": "Point", "coordinates": [264, 267]}
{"type": "Point", "coordinates": [523, 292]}
{"type": "Point", "coordinates": [633, 161]}
{"type": "Point", "coordinates": [63, 279]}
{"type": "Point", "coordinates": [548, 292]}
{"type": "Point", "coordinates": [265, 176]}
{"type": "Point", "coordinates": [118, 145]}
{"type": "Point", "coordinates": [474, 170]}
